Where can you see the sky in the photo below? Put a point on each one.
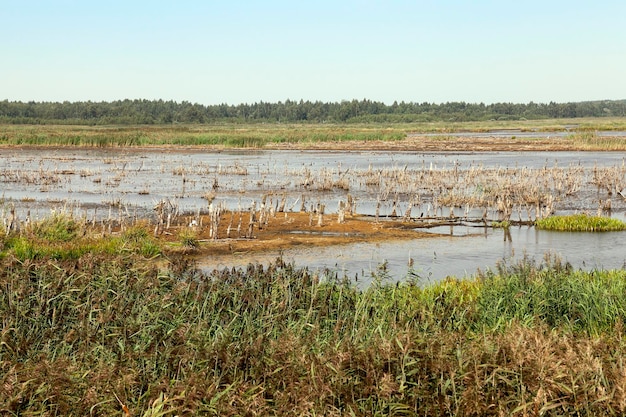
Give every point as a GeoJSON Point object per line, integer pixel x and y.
{"type": "Point", "coordinates": [237, 51]}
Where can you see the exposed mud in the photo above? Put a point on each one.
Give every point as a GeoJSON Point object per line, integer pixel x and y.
{"type": "Point", "coordinates": [289, 230]}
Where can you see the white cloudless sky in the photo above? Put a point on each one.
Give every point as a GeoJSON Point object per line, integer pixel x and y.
{"type": "Point", "coordinates": [238, 51]}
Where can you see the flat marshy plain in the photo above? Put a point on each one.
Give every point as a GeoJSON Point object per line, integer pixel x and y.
{"type": "Point", "coordinates": [587, 134]}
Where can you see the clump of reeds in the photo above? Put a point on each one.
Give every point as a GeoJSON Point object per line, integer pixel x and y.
{"type": "Point", "coordinates": [58, 227]}
{"type": "Point", "coordinates": [137, 239]}
{"type": "Point", "coordinates": [592, 140]}
{"type": "Point", "coordinates": [580, 223]}
{"type": "Point", "coordinates": [166, 211]}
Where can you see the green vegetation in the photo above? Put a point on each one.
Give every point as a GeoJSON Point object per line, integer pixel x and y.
{"type": "Point", "coordinates": [353, 111]}
{"type": "Point", "coordinates": [61, 237]}
{"type": "Point", "coordinates": [111, 330]}
{"type": "Point", "coordinates": [505, 224]}
{"type": "Point", "coordinates": [589, 139]}
{"type": "Point", "coordinates": [580, 223]}
{"type": "Point", "coordinates": [233, 136]}
{"type": "Point", "coordinates": [259, 135]}
{"type": "Point", "coordinates": [189, 239]}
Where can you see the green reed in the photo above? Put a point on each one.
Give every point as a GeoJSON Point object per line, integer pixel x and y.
{"type": "Point", "coordinates": [221, 135]}
{"type": "Point", "coordinates": [63, 237]}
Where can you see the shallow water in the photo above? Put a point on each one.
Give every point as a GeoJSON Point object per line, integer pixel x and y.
{"type": "Point", "coordinates": [128, 182]}
{"type": "Point", "coordinates": [459, 252]}
{"type": "Point", "coordinates": [135, 179]}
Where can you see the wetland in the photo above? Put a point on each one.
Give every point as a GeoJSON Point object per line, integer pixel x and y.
{"type": "Point", "coordinates": [206, 280]}
{"type": "Point", "coordinates": [342, 212]}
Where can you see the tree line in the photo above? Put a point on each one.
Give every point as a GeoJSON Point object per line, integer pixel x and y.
{"type": "Point", "coordinates": [289, 111]}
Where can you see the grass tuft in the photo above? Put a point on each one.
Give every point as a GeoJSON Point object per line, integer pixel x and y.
{"type": "Point", "coordinates": [58, 227]}
{"type": "Point", "coordinates": [189, 239]}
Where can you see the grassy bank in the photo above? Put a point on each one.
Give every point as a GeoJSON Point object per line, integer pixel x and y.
{"type": "Point", "coordinates": [260, 135]}
{"type": "Point", "coordinates": [107, 330]}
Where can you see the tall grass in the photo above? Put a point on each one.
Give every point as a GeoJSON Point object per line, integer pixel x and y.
{"type": "Point", "coordinates": [555, 295]}
{"type": "Point", "coordinates": [590, 139]}
{"type": "Point", "coordinates": [93, 334]}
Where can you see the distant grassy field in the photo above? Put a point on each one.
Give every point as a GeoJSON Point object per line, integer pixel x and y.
{"type": "Point", "coordinates": [261, 135]}
{"type": "Point", "coordinates": [228, 135]}
{"type": "Point", "coordinates": [580, 124]}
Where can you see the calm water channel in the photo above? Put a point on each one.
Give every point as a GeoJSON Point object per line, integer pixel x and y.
{"type": "Point", "coordinates": [93, 181]}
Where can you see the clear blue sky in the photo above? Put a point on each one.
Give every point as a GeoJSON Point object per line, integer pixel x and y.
{"type": "Point", "coordinates": [235, 51]}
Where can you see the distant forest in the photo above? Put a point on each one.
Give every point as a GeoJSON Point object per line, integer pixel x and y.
{"type": "Point", "coordinates": [355, 111]}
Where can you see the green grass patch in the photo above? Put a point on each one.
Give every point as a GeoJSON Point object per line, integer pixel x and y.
{"type": "Point", "coordinates": [219, 135]}
{"type": "Point", "coordinates": [189, 239]}
{"type": "Point", "coordinates": [58, 227]}
{"type": "Point", "coordinates": [580, 223]}
{"type": "Point", "coordinates": [505, 224]}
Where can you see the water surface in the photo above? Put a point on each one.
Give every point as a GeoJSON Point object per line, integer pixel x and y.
{"type": "Point", "coordinates": [128, 182]}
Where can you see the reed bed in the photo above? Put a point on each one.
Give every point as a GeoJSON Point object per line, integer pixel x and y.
{"type": "Point", "coordinates": [590, 140]}
{"type": "Point", "coordinates": [498, 194]}
{"type": "Point", "coordinates": [113, 333]}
